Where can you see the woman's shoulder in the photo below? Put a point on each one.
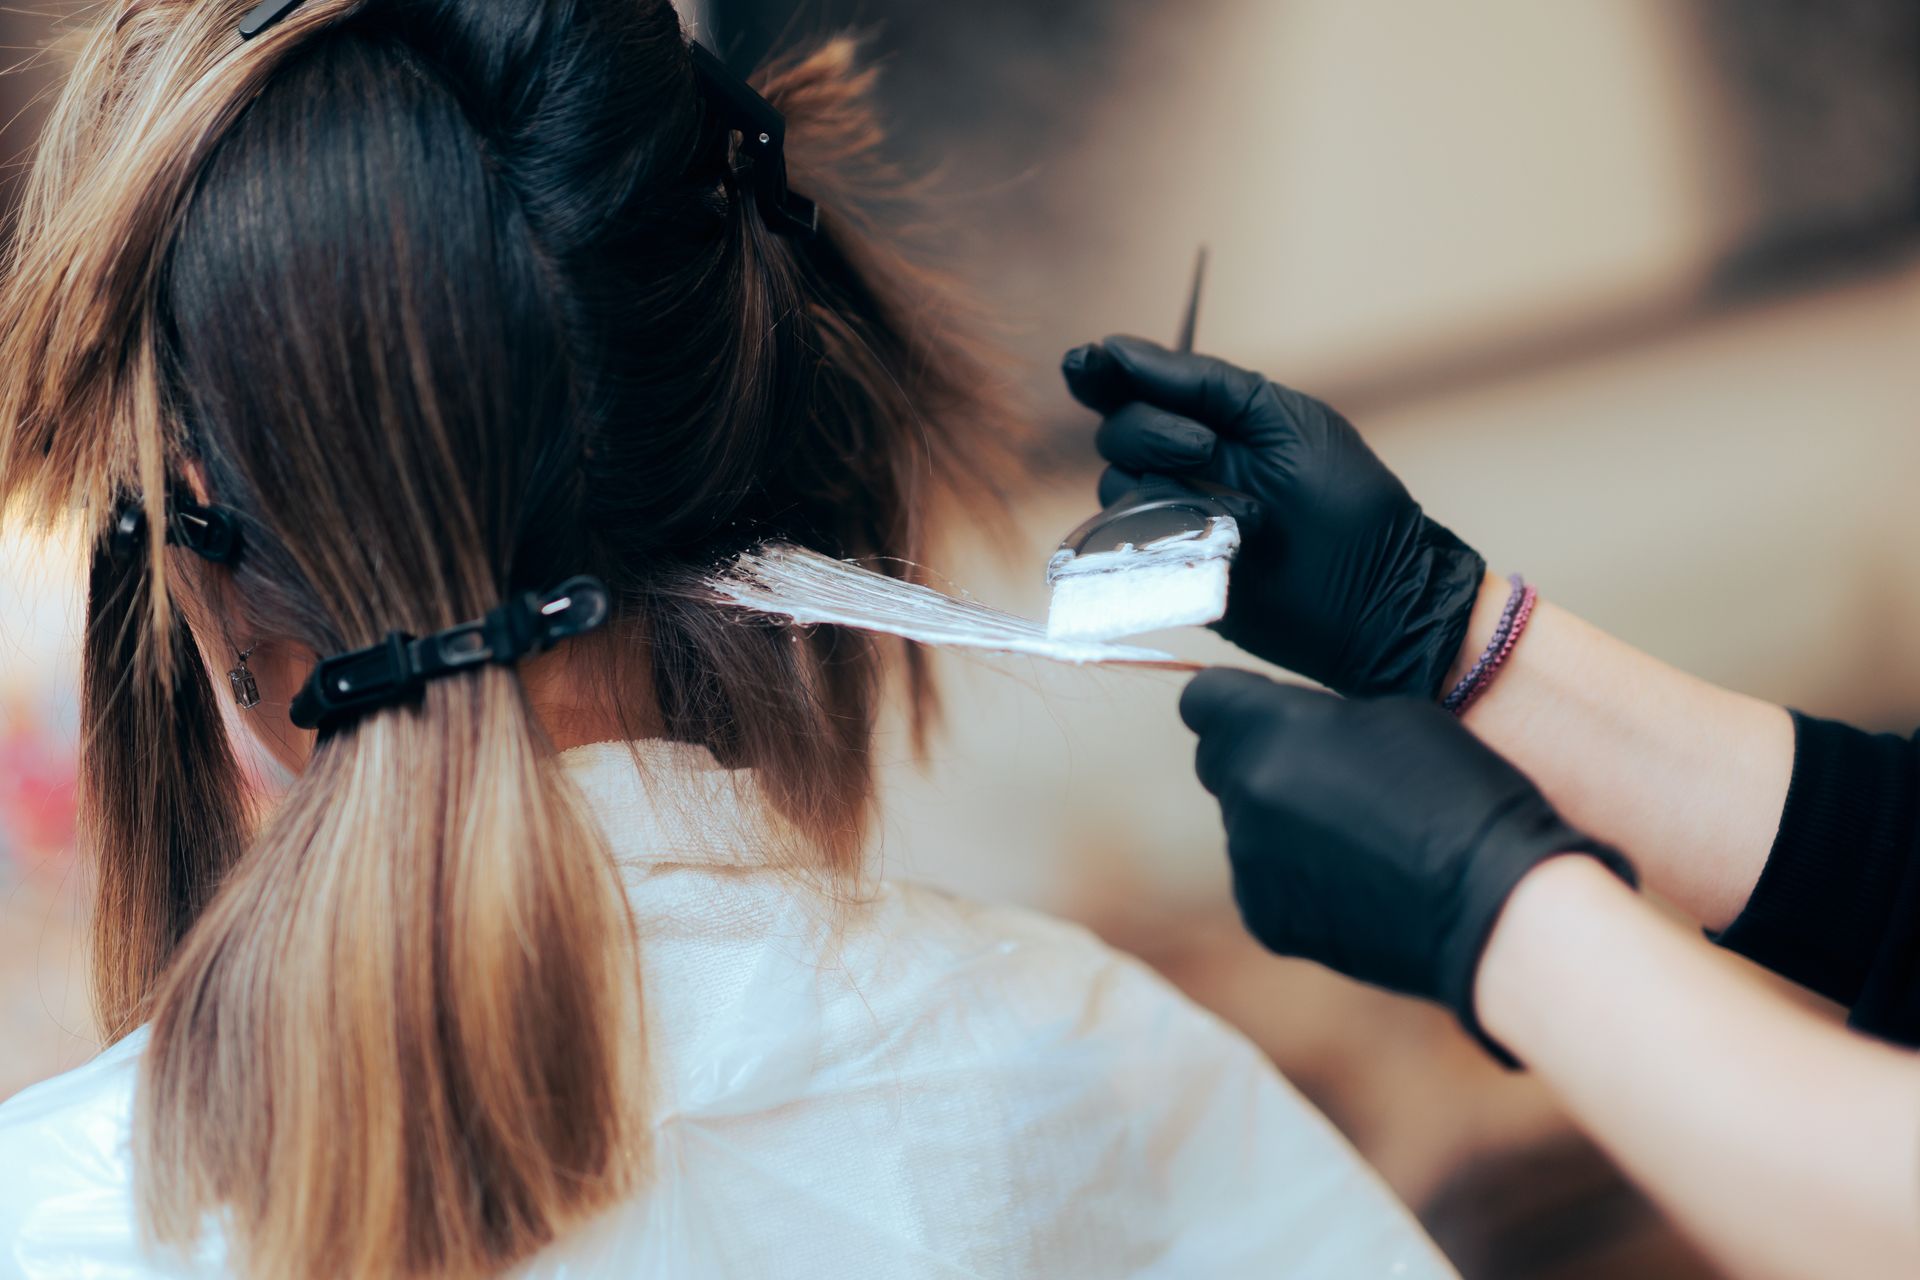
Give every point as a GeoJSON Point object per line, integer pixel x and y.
{"type": "Point", "coordinates": [1134, 1116]}
{"type": "Point", "coordinates": [93, 1101]}
{"type": "Point", "coordinates": [66, 1170]}
{"type": "Point", "coordinates": [1024, 992]}
{"type": "Point", "coordinates": [917, 925]}
{"type": "Point", "coordinates": [955, 941]}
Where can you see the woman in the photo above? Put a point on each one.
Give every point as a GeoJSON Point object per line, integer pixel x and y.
{"type": "Point", "coordinates": [455, 320]}
{"type": "Point", "coordinates": [1388, 841]}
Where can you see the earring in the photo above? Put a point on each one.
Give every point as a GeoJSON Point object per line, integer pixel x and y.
{"type": "Point", "coordinates": [245, 691]}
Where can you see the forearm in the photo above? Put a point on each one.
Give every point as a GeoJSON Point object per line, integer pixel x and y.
{"type": "Point", "coordinates": [1686, 778]}
{"type": "Point", "coordinates": [1786, 1145]}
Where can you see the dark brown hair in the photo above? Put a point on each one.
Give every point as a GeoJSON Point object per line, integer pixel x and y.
{"type": "Point", "coordinates": [446, 299]}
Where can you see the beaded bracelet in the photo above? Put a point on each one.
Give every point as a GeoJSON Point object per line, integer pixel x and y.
{"type": "Point", "coordinates": [1506, 634]}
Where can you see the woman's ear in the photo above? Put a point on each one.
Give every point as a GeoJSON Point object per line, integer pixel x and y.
{"type": "Point", "coordinates": [274, 667]}
{"type": "Point", "coordinates": [279, 668]}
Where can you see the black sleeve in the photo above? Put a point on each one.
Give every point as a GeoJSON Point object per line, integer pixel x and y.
{"type": "Point", "coordinates": [1837, 907]}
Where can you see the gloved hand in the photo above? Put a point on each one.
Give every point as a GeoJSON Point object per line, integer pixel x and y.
{"type": "Point", "coordinates": [1342, 577]}
{"type": "Point", "coordinates": [1379, 838]}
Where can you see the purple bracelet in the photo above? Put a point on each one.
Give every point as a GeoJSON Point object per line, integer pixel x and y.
{"type": "Point", "coordinates": [1513, 622]}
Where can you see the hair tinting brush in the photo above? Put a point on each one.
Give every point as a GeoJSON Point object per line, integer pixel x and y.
{"type": "Point", "coordinates": [1157, 558]}
{"type": "Point", "coordinates": [810, 588]}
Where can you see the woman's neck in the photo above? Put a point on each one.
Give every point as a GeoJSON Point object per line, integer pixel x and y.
{"type": "Point", "coordinates": [575, 704]}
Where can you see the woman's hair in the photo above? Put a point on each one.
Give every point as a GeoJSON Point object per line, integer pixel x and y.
{"type": "Point", "coordinates": [445, 299]}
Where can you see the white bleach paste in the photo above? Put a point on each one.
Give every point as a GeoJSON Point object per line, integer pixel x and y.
{"type": "Point", "coordinates": [803, 585]}
{"type": "Point", "coordinates": [1176, 581]}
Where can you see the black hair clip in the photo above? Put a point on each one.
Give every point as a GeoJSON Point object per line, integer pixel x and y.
{"type": "Point", "coordinates": [763, 137]}
{"type": "Point", "coordinates": [349, 685]}
{"type": "Point", "coordinates": [264, 15]}
{"type": "Point", "coordinates": [210, 532]}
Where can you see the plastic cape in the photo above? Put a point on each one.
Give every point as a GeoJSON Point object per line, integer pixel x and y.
{"type": "Point", "coordinates": [912, 1086]}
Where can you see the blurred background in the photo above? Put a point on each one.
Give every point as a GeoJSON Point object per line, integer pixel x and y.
{"type": "Point", "coordinates": [1628, 291]}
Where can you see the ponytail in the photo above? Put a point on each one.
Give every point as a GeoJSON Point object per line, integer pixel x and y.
{"type": "Point", "coordinates": [405, 1040]}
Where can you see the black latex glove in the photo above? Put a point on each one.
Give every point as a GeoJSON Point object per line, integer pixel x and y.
{"type": "Point", "coordinates": [1379, 838]}
{"type": "Point", "coordinates": [1342, 577]}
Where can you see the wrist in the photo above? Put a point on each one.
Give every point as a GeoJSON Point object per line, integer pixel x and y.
{"type": "Point", "coordinates": [1412, 630]}
{"type": "Point", "coordinates": [1546, 917]}
{"type": "Point", "coordinates": [1488, 604]}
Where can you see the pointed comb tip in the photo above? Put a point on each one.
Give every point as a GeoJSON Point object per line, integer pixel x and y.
{"type": "Point", "coordinates": [1190, 322]}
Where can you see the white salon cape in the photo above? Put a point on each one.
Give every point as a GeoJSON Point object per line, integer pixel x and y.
{"type": "Point", "coordinates": [911, 1086]}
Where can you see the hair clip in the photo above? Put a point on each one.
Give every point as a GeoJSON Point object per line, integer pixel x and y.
{"type": "Point", "coordinates": [210, 532]}
{"type": "Point", "coordinates": [763, 138]}
{"type": "Point", "coordinates": [264, 15]}
{"type": "Point", "coordinates": [349, 685]}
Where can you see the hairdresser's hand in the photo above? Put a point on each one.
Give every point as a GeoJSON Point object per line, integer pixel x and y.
{"type": "Point", "coordinates": [1341, 577]}
{"type": "Point", "coordinates": [1378, 838]}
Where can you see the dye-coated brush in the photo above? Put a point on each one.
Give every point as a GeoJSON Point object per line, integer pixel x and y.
{"type": "Point", "coordinates": [807, 587]}
{"type": "Point", "coordinates": [1156, 559]}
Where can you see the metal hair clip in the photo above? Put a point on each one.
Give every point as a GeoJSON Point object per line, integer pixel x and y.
{"type": "Point", "coordinates": [210, 532]}
{"type": "Point", "coordinates": [763, 138]}
{"type": "Point", "coordinates": [351, 684]}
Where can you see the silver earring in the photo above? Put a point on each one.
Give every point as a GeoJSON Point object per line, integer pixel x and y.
{"type": "Point", "coordinates": [245, 691]}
